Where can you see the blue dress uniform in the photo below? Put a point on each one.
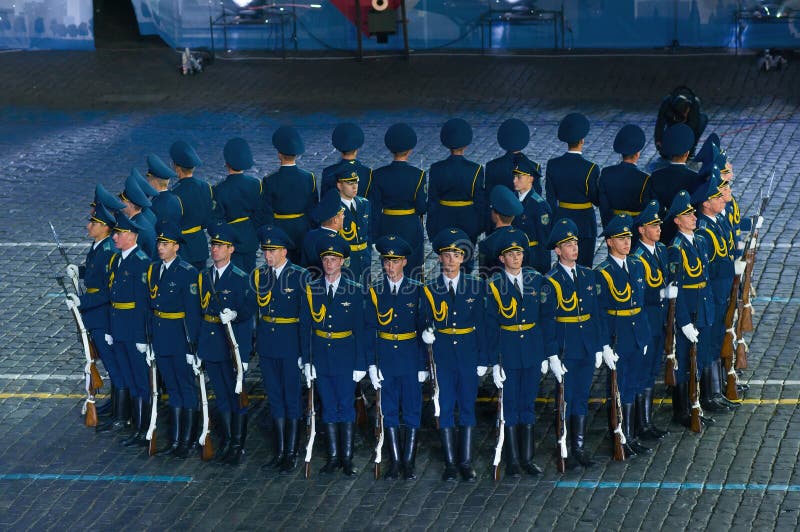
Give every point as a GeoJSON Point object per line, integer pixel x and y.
{"type": "Point", "coordinates": [399, 355]}
{"type": "Point", "coordinates": [165, 205]}
{"type": "Point", "coordinates": [335, 343]}
{"type": "Point", "coordinates": [233, 292]}
{"type": "Point", "coordinates": [623, 188]}
{"type": "Point", "coordinates": [399, 197]}
{"type": "Point", "coordinates": [175, 324]}
{"type": "Point", "coordinates": [571, 186]}
{"type": "Point", "coordinates": [290, 193]}
{"type": "Point", "coordinates": [329, 207]}
{"type": "Point", "coordinates": [149, 193]}
{"type": "Point", "coordinates": [536, 221]}
{"type": "Point", "coordinates": [456, 195]}
{"type": "Point", "coordinates": [197, 199]}
{"type": "Point", "coordinates": [579, 333]}
{"type": "Point", "coordinates": [688, 269]}
{"type": "Point", "coordinates": [280, 293]}
{"type": "Point", "coordinates": [521, 334]}
{"type": "Point", "coordinates": [356, 231]}
{"type": "Point", "coordinates": [513, 136]}
{"type": "Point", "coordinates": [147, 233]}
{"type": "Point", "coordinates": [347, 138]}
{"type": "Point", "coordinates": [458, 318]}
{"type": "Point", "coordinates": [130, 324]}
{"type": "Point", "coordinates": [504, 203]}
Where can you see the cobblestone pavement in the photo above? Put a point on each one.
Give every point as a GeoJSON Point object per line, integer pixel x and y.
{"type": "Point", "coordinates": [69, 120]}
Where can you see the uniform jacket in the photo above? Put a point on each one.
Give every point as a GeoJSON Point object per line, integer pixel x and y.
{"type": "Point", "coordinates": [456, 179]}
{"type": "Point", "coordinates": [237, 202]}
{"type": "Point", "coordinates": [130, 302]}
{"type": "Point", "coordinates": [278, 304]}
{"type": "Point", "coordinates": [94, 301]}
{"type": "Point", "coordinates": [571, 178]}
{"type": "Point", "coordinates": [365, 177]}
{"type": "Point", "coordinates": [688, 268]}
{"type": "Point", "coordinates": [622, 300]}
{"type": "Point", "coordinates": [197, 199]}
{"type": "Point", "coordinates": [289, 195]}
{"type": "Point", "coordinates": [719, 237]}
{"type": "Point", "coordinates": [172, 294]}
{"type": "Point", "coordinates": [536, 221]}
{"type": "Point", "coordinates": [623, 189]}
{"type": "Point", "coordinates": [656, 277]}
{"type": "Point", "coordinates": [233, 290]}
{"type": "Point", "coordinates": [399, 187]}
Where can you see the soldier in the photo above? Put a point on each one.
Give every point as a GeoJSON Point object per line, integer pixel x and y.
{"type": "Point", "coordinates": [454, 312]}
{"type": "Point", "coordinates": [279, 289]}
{"type": "Point", "coordinates": [399, 364]}
{"type": "Point", "coordinates": [621, 279]}
{"type": "Point", "coordinates": [513, 136]}
{"type": "Point", "coordinates": [332, 315]}
{"type": "Point", "coordinates": [225, 297]}
{"type": "Point", "coordinates": [238, 199]}
{"type": "Point", "coordinates": [356, 225]}
{"type": "Point", "coordinates": [165, 205]}
{"type": "Point", "coordinates": [456, 195]}
{"type": "Point", "coordinates": [172, 284]}
{"type": "Point", "coordinates": [347, 138]}
{"type": "Point", "coordinates": [197, 199]}
{"type": "Point", "coordinates": [623, 188]}
{"type": "Point", "coordinates": [653, 256]}
{"type": "Point", "coordinates": [579, 331]}
{"type": "Point", "coordinates": [571, 185]}
{"type": "Point", "coordinates": [130, 321]}
{"type": "Point", "coordinates": [289, 193]}
{"type": "Point", "coordinates": [149, 193]}
{"type": "Point", "coordinates": [694, 309]}
{"type": "Point", "coordinates": [536, 218]}
{"type": "Point", "coordinates": [329, 213]}
{"type": "Point", "coordinates": [504, 206]}
{"type": "Point", "coordinates": [668, 181]}
{"type": "Point", "coordinates": [135, 201]}
{"type": "Point", "coordinates": [399, 196]}
{"type": "Point", "coordinates": [521, 338]}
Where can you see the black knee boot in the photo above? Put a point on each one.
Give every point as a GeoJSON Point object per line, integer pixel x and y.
{"type": "Point", "coordinates": [465, 454]}
{"type": "Point", "coordinates": [527, 450]}
{"type": "Point", "coordinates": [238, 437]}
{"type": "Point", "coordinates": [139, 424]}
{"type": "Point", "coordinates": [512, 452]}
{"type": "Point", "coordinates": [449, 451]}
{"type": "Point", "coordinates": [722, 377]}
{"type": "Point", "coordinates": [121, 413]}
{"type": "Point", "coordinates": [629, 415]}
{"type": "Point", "coordinates": [410, 454]}
{"type": "Point", "coordinates": [393, 439]}
{"type": "Point", "coordinates": [578, 426]}
{"type": "Point", "coordinates": [334, 461]}
{"type": "Point", "coordinates": [707, 392]}
{"type": "Point", "coordinates": [279, 425]}
{"type": "Point", "coordinates": [107, 408]}
{"type": "Point", "coordinates": [645, 404]}
{"type": "Point", "coordinates": [346, 430]}
{"type": "Point", "coordinates": [290, 447]}
{"type": "Point", "coordinates": [174, 434]}
{"type": "Point", "coordinates": [224, 449]}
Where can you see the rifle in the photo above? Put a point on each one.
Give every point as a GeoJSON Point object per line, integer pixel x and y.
{"type": "Point", "coordinates": [501, 434]}
{"type": "Point", "coordinates": [204, 440]}
{"type": "Point", "coordinates": [694, 386]}
{"type": "Point", "coordinates": [64, 254]}
{"type": "Point", "coordinates": [93, 380]}
{"type": "Point", "coordinates": [240, 390]}
{"type": "Point", "coordinates": [727, 353]}
{"type": "Point", "coordinates": [311, 422]}
{"type": "Point", "coordinates": [561, 427]}
{"type": "Point", "coordinates": [151, 361]}
{"type": "Point", "coordinates": [669, 346]}
{"type": "Point", "coordinates": [746, 314]}
{"type": "Point", "coordinates": [378, 433]}
{"type": "Point", "coordinates": [361, 406]}
{"type": "Point", "coordinates": [616, 419]}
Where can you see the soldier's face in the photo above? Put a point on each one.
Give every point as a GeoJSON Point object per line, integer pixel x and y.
{"type": "Point", "coordinates": [729, 170]}
{"type": "Point", "coordinates": [522, 182]}
{"type": "Point", "coordinates": [393, 267]}
{"type": "Point", "coordinates": [332, 264]}
{"type": "Point", "coordinates": [96, 230]}
{"type": "Point", "coordinates": [650, 233]}
{"type": "Point", "coordinates": [167, 250]}
{"type": "Point", "coordinates": [568, 251]}
{"type": "Point", "coordinates": [124, 240]}
{"type": "Point", "coordinates": [451, 260]}
{"type": "Point", "coordinates": [727, 195]}
{"type": "Point", "coordinates": [275, 257]}
{"type": "Point", "coordinates": [686, 223]}
{"type": "Point", "coordinates": [619, 246]}
{"type": "Point", "coordinates": [348, 189]}
{"type": "Point", "coordinates": [221, 253]}
{"type": "Point", "coordinates": [512, 260]}
{"type": "Point", "coordinates": [718, 204]}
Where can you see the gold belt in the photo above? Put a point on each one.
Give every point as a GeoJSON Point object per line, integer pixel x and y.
{"type": "Point", "coordinates": [695, 286]}
{"type": "Point", "coordinates": [574, 206]}
{"type": "Point", "coordinates": [398, 212]}
{"type": "Point", "coordinates": [191, 230]}
{"type": "Point", "coordinates": [237, 220]}
{"type": "Point", "coordinates": [92, 290]}
{"type": "Point", "coordinates": [211, 319]}
{"type": "Point", "coordinates": [519, 327]}
{"type": "Point", "coordinates": [280, 321]}
{"type": "Point", "coordinates": [455, 203]}
{"type": "Point", "coordinates": [532, 243]}
{"type": "Point", "coordinates": [398, 336]}
{"type": "Point", "coordinates": [169, 315]}
{"type": "Point", "coordinates": [451, 330]}
{"type": "Point", "coordinates": [288, 216]}
{"type": "Point", "coordinates": [325, 334]}
{"type": "Point", "coordinates": [358, 247]}
{"type": "Point", "coordinates": [124, 306]}
{"type": "Point", "coordinates": [573, 319]}
{"type": "Point", "coordinates": [625, 312]}
{"type": "Point", "coordinates": [623, 211]}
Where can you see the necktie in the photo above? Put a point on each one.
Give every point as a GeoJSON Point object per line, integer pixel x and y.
{"type": "Point", "coordinates": [330, 294]}
{"type": "Point", "coordinates": [394, 289]}
{"type": "Point", "coordinates": [516, 285]}
{"type": "Point", "coordinates": [161, 272]}
{"type": "Point", "coordinates": [353, 209]}
{"type": "Point", "coordinates": [451, 290]}
{"type": "Point", "coordinates": [216, 276]}
{"type": "Point", "coordinates": [574, 276]}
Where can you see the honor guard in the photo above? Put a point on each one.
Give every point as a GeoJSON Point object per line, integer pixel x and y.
{"type": "Point", "coordinates": [521, 338]}
{"type": "Point", "coordinates": [676, 176]}
{"type": "Point", "coordinates": [165, 205]}
{"type": "Point", "coordinates": [694, 308]}
{"type": "Point", "coordinates": [347, 138]}
{"type": "Point", "coordinates": [456, 195]}
{"type": "Point", "coordinates": [454, 312]}
{"type": "Point", "coordinates": [289, 193]}
{"type": "Point", "coordinates": [579, 331]}
{"type": "Point", "coordinates": [399, 196]}
{"type": "Point", "coordinates": [238, 199]}
{"type": "Point", "coordinates": [135, 201]}
{"type": "Point", "coordinates": [536, 218]}
{"type": "Point", "coordinates": [334, 348]}
{"type": "Point", "coordinates": [329, 214]}
{"type": "Point", "coordinates": [623, 188]}
{"type": "Point", "coordinates": [94, 301]}
{"type": "Point", "coordinates": [399, 365]}
{"type": "Point", "coordinates": [198, 204]}
{"type": "Point", "coordinates": [571, 185]}
{"type": "Point", "coordinates": [130, 321]}
{"type": "Point", "coordinates": [356, 228]}
{"type": "Point", "coordinates": [653, 256]}
{"type": "Point", "coordinates": [513, 136]}
{"type": "Point", "coordinates": [279, 289]}
{"type": "Point", "coordinates": [172, 284]}
{"type": "Point", "coordinates": [109, 201]}
{"type": "Point", "coordinates": [150, 193]}
{"type": "Point", "coordinates": [621, 301]}
{"type": "Point", "coordinates": [225, 297]}
{"type": "Point", "coordinates": [504, 206]}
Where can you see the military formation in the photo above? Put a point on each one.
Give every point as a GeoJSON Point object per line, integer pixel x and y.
{"type": "Point", "coordinates": [170, 293]}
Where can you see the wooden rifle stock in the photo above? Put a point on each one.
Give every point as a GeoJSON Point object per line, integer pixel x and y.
{"type": "Point", "coordinates": [730, 316]}
{"type": "Point", "coordinates": [694, 391]}
{"type": "Point", "coordinates": [746, 314]}
{"type": "Point", "coordinates": [741, 346]}
{"type": "Point", "coordinates": [361, 406]}
{"type": "Point", "coordinates": [669, 346]}
{"type": "Point", "coordinates": [561, 427]}
{"type": "Point", "coordinates": [616, 419]}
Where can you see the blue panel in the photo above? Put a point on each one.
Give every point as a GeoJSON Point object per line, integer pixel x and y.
{"type": "Point", "coordinates": [55, 24]}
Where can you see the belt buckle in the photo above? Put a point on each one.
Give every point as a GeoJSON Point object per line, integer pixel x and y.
{"type": "Point", "coordinates": [395, 337]}
{"type": "Point", "coordinates": [519, 326]}
{"type": "Point", "coordinates": [328, 334]}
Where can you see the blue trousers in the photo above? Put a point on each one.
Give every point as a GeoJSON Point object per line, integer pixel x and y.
{"type": "Point", "coordinates": [402, 393]}
{"type": "Point", "coordinates": [457, 386]}
{"type": "Point", "coordinates": [135, 372]}
{"type": "Point", "coordinates": [577, 384]}
{"type": "Point", "coordinates": [178, 378]}
{"type": "Point", "coordinates": [682, 353]}
{"type": "Point", "coordinates": [631, 370]}
{"type": "Point", "coordinates": [716, 333]}
{"type": "Point", "coordinates": [282, 384]}
{"type": "Point", "coordinates": [336, 393]}
{"type": "Point", "coordinates": [223, 380]}
{"type": "Point", "coordinates": [519, 395]}
{"type": "Point", "coordinates": [654, 360]}
{"type": "Point", "coordinates": [106, 353]}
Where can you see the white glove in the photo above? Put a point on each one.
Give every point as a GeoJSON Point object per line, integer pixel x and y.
{"type": "Point", "coordinates": [759, 222]}
{"type": "Point", "coordinates": [740, 245]}
{"type": "Point", "coordinates": [598, 359]}
{"type": "Point", "coordinates": [556, 367]}
{"type": "Point", "coordinates": [645, 350]}
{"type": "Point", "coordinates": [73, 272]}
{"type": "Point", "coordinates": [610, 357]}
{"type": "Point", "coordinates": [310, 372]}
{"type": "Point", "coordinates": [245, 365]}
{"type": "Point", "coordinates": [190, 359]}
{"type": "Point", "coordinates": [109, 339]}
{"type": "Point", "coordinates": [691, 333]}
{"type": "Point", "coordinates": [422, 376]}
{"type": "Point", "coordinates": [74, 300]}
{"type": "Point", "coordinates": [142, 348]}
{"type": "Point", "coordinates": [672, 291]}
{"type": "Point", "coordinates": [482, 370]}
{"type": "Point", "coordinates": [662, 293]}
{"type": "Point", "coordinates": [358, 375]}
{"type": "Point", "coordinates": [300, 363]}
{"type": "Point", "coordinates": [498, 375]}
{"type": "Point", "coordinates": [227, 315]}
{"type": "Point", "coordinates": [739, 266]}
{"type": "Point", "coordinates": [196, 365]}
{"type": "Point", "coordinates": [545, 367]}
{"type": "Point", "coordinates": [427, 336]}
{"type": "Point", "coordinates": [375, 376]}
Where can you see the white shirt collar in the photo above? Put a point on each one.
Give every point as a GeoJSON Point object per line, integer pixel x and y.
{"type": "Point", "coordinates": [620, 262]}
{"type": "Point", "coordinates": [168, 264]}
{"type": "Point", "coordinates": [277, 271]}
{"type": "Point", "coordinates": [220, 271]}
{"type": "Point", "coordinates": [651, 249]}
{"type": "Point", "coordinates": [568, 269]}
{"type": "Point", "coordinates": [454, 280]}
{"type": "Point", "coordinates": [575, 151]}
{"type": "Point", "coordinates": [523, 195]}
{"type": "Point", "coordinates": [289, 164]}
{"type": "Point", "coordinates": [395, 286]}
{"type": "Point", "coordinates": [511, 278]}
{"type": "Point", "coordinates": [687, 236]}
{"type": "Point", "coordinates": [127, 252]}
{"type": "Point", "coordinates": [346, 202]}
{"type": "Point", "coordinates": [335, 284]}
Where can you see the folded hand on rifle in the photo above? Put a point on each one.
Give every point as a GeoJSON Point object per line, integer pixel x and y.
{"type": "Point", "coordinates": [498, 375]}
{"type": "Point", "coordinates": [227, 315]}
{"type": "Point", "coordinates": [375, 376]}
{"type": "Point", "coordinates": [358, 375]}
{"type": "Point", "coordinates": [422, 376]}
{"type": "Point", "coordinates": [109, 339]}
{"type": "Point", "coordinates": [74, 300]}
{"type": "Point", "coordinates": [739, 266]}
{"type": "Point", "coordinates": [73, 272]}
{"type": "Point", "coordinates": [609, 357]}
{"type": "Point", "coordinates": [482, 370]}
{"type": "Point", "coordinates": [691, 333]}
{"type": "Point", "coordinates": [555, 365]}
{"type": "Point", "coordinates": [310, 373]}
{"type": "Point", "coordinates": [427, 336]}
